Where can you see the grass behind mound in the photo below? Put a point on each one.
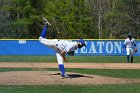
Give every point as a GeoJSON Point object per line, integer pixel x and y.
{"type": "Point", "coordinates": [15, 69]}
{"type": "Point", "coordinates": [124, 88]}
{"type": "Point", "coordinates": [90, 59]}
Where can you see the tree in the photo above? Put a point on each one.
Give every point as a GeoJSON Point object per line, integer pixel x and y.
{"type": "Point", "coordinates": [99, 19]}
{"type": "Point", "coordinates": [23, 16]}
{"type": "Point", "coordinates": [70, 18]}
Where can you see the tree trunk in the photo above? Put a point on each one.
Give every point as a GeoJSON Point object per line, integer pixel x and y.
{"type": "Point", "coordinates": [100, 19]}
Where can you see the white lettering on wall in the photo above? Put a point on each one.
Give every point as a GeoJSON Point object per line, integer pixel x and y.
{"type": "Point", "coordinates": [92, 48]}
{"type": "Point", "coordinates": [109, 47]}
{"type": "Point", "coordinates": [76, 51]}
{"type": "Point", "coordinates": [22, 41]}
{"type": "Point", "coordinates": [117, 46]}
{"type": "Point", "coordinates": [100, 45]}
{"type": "Point", "coordinates": [83, 50]}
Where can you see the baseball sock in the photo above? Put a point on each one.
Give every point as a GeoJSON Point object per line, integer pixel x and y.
{"type": "Point", "coordinates": [127, 58]}
{"type": "Point", "coordinates": [131, 59]}
{"type": "Point", "coordinates": [44, 31]}
{"type": "Point", "coordinates": [62, 69]}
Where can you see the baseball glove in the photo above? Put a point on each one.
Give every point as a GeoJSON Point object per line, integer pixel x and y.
{"type": "Point", "coordinates": [135, 49]}
{"type": "Point", "coordinates": [71, 53]}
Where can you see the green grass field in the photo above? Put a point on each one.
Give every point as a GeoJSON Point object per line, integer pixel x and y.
{"type": "Point", "coordinates": [90, 59]}
{"type": "Point", "coordinates": [115, 88]}
{"type": "Point", "coordinates": [123, 88]}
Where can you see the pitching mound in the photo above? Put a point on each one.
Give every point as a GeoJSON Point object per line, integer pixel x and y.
{"type": "Point", "coordinates": [54, 78]}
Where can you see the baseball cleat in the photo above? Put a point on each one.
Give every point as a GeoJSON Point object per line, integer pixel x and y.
{"type": "Point", "coordinates": [46, 21]}
{"type": "Point", "coordinates": [66, 76]}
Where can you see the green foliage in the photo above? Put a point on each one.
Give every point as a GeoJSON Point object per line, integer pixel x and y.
{"type": "Point", "coordinates": [70, 18]}
{"type": "Point", "coordinates": [22, 18]}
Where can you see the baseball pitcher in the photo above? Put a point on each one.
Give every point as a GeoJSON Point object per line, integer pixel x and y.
{"type": "Point", "coordinates": [61, 47]}
{"type": "Point", "coordinates": [130, 46]}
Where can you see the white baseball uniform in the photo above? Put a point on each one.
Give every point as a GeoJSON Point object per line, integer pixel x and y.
{"type": "Point", "coordinates": [59, 46]}
{"type": "Point", "coordinates": [129, 46]}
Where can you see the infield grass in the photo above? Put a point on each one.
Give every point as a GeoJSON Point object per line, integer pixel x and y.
{"type": "Point", "coordinates": [115, 88]}
{"type": "Point", "coordinates": [123, 88]}
{"type": "Point", "coordinates": [118, 73]}
{"type": "Point", "coordinates": [15, 69]}
{"type": "Point", "coordinates": [89, 59]}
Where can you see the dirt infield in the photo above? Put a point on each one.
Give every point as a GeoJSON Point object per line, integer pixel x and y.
{"type": "Point", "coordinates": [72, 65]}
{"type": "Point", "coordinates": [53, 77]}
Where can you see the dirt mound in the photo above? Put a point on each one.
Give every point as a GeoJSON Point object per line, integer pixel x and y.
{"type": "Point", "coordinates": [54, 78]}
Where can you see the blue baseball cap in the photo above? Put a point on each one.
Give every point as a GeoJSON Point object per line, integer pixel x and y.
{"type": "Point", "coordinates": [129, 35]}
{"type": "Point", "coordinates": [82, 42]}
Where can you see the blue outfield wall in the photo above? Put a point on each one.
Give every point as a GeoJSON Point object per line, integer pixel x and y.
{"type": "Point", "coordinates": [34, 47]}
